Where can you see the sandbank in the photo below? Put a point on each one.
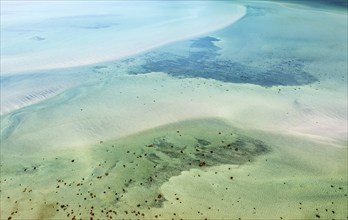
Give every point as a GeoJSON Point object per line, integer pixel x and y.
{"type": "Point", "coordinates": [139, 28]}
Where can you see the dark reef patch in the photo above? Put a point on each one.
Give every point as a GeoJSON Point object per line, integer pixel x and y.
{"type": "Point", "coordinates": [203, 62]}
{"type": "Point", "coordinates": [203, 153]}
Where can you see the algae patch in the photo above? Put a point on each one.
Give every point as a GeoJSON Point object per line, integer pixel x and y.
{"type": "Point", "coordinates": [122, 178]}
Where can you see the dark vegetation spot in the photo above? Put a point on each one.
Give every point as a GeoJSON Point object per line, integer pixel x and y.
{"type": "Point", "coordinates": [98, 67]}
{"type": "Point", "coordinates": [202, 142]}
{"type": "Point", "coordinates": [37, 38]}
{"type": "Point", "coordinates": [202, 163]}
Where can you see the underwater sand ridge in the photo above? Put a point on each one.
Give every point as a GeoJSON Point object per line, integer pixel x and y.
{"type": "Point", "coordinates": [137, 165]}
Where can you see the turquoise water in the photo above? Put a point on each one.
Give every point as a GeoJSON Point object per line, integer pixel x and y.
{"type": "Point", "coordinates": [46, 35]}
{"type": "Point", "coordinates": [142, 110]}
{"type": "Point", "coordinates": [270, 46]}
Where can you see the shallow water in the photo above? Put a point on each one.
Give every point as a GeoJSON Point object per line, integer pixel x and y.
{"type": "Point", "coordinates": [46, 35]}
{"type": "Point", "coordinates": [249, 122]}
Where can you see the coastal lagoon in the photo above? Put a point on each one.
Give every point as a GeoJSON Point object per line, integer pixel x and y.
{"type": "Point", "coordinates": [173, 110]}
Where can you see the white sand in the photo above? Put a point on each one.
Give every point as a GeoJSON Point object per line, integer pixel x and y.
{"type": "Point", "coordinates": [126, 29]}
{"type": "Point", "coordinates": [134, 103]}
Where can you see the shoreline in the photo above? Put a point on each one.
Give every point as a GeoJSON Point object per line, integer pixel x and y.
{"type": "Point", "coordinates": [10, 67]}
